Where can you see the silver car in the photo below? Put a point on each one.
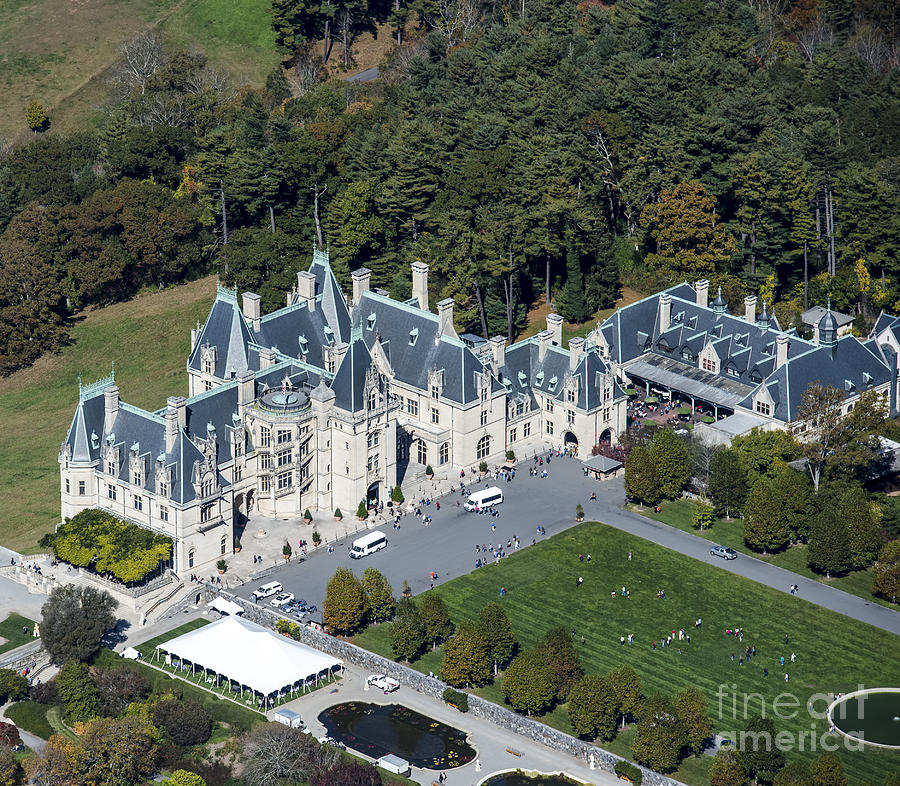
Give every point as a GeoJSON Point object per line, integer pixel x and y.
{"type": "Point", "coordinates": [724, 552]}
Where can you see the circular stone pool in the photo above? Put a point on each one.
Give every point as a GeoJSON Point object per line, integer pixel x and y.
{"type": "Point", "coordinates": [519, 778]}
{"type": "Point", "coordinates": [872, 716]}
{"type": "Point", "coordinates": [377, 729]}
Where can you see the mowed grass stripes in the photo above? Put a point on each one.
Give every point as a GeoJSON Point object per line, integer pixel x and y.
{"type": "Point", "coordinates": [833, 653]}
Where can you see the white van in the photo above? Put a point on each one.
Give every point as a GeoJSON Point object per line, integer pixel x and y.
{"type": "Point", "coordinates": [266, 590]}
{"type": "Point", "coordinates": [368, 544]}
{"type": "Point", "coordinates": [484, 498]}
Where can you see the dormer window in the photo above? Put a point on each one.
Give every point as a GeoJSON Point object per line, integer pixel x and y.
{"type": "Point", "coordinates": [304, 345]}
{"type": "Point", "coordinates": [552, 384]}
{"type": "Point", "coordinates": [413, 336]}
{"type": "Point", "coordinates": [523, 379]}
{"type": "Point", "coordinates": [539, 378]}
{"type": "Point", "coordinates": [755, 376]}
{"type": "Point", "coordinates": [763, 407]}
{"type": "Point", "coordinates": [329, 335]}
{"type": "Point", "coordinates": [95, 440]}
{"type": "Point", "coordinates": [867, 378]}
{"type": "Point", "coordinates": [370, 322]}
{"type": "Point", "coordinates": [731, 371]}
{"type": "Point", "coordinates": [687, 355]}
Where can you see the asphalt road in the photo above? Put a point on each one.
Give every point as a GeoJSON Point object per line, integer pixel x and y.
{"type": "Point", "coordinates": [447, 545]}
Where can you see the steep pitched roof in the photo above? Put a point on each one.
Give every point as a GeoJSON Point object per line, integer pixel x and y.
{"type": "Point", "coordinates": [330, 297]}
{"type": "Point", "coordinates": [87, 423]}
{"type": "Point", "coordinates": [227, 331]}
{"type": "Point", "coordinates": [349, 381]}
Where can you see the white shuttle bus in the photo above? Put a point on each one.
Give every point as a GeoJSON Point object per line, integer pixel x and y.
{"type": "Point", "coordinates": [484, 498]}
{"type": "Point", "coordinates": [368, 544]}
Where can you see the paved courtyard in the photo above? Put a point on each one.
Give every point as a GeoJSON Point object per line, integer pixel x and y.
{"type": "Point", "coordinates": [447, 545]}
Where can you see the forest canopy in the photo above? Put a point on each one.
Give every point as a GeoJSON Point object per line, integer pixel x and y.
{"type": "Point", "coordinates": [545, 149]}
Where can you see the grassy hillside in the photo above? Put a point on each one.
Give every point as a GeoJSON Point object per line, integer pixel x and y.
{"type": "Point", "coordinates": [834, 653]}
{"type": "Point", "coordinates": [148, 338]}
{"type": "Point", "coordinates": [60, 51]}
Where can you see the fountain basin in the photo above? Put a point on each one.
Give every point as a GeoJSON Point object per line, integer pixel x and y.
{"type": "Point", "coordinates": [871, 716]}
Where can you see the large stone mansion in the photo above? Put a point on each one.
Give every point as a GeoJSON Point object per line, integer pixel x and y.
{"type": "Point", "coordinates": [324, 403]}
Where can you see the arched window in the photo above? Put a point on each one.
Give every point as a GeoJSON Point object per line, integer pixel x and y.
{"type": "Point", "coordinates": [483, 448]}
{"type": "Point", "coordinates": [444, 454]}
{"type": "Point", "coordinates": [422, 452]}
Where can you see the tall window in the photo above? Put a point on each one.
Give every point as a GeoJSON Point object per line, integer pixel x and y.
{"type": "Point", "coordinates": [238, 472]}
{"type": "Point", "coordinates": [549, 405]}
{"type": "Point", "coordinates": [191, 558]}
{"type": "Point", "coordinates": [372, 439]}
{"type": "Point", "coordinates": [412, 407]}
{"type": "Point", "coordinates": [373, 398]}
{"type": "Point", "coordinates": [435, 391]}
{"type": "Point", "coordinates": [444, 453]}
{"type": "Point", "coordinates": [206, 512]}
{"type": "Point", "coordinates": [570, 395]}
{"type": "Point", "coordinates": [422, 452]}
{"type": "Point", "coordinates": [136, 478]}
{"type": "Point", "coordinates": [162, 488]}
{"type": "Point", "coordinates": [264, 484]}
{"type": "Point", "coordinates": [483, 448]}
{"type": "Point", "coordinates": [265, 437]}
{"type": "Point", "coordinates": [207, 365]}
{"type": "Point", "coordinates": [526, 430]}
{"type": "Point", "coordinates": [163, 513]}
{"type": "Point", "coordinates": [81, 488]}
{"type": "Point", "coordinates": [67, 486]}
{"type": "Point", "coordinates": [138, 502]}
{"type": "Point", "coordinates": [512, 435]}
{"type": "Point", "coordinates": [283, 458]}
{"type": "Point", "coordinates": [484, 417]}
{"type": "Point", "coordinates": [206, 488]}
{"type": "Point", "coordinates": [435, 415]}
{"type": "Point", "coordinates": [111, 492]}
{"type": "Point", "coordinates": [550, 427]}
{"type": "Point", "coordinates": [265, 461]}
{"type": "Point", "coordinates": [284, 480]}
{"type": "Point", "coordinates": [570, 416]}
{"type": "Point", "coordinates": [222, 545]}
{"type": "Point", "coordinates": [372, 463]}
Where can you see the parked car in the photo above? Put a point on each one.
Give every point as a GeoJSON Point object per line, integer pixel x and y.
{"type": "Point", "coordinates": [301, 604]}
{"type": "Point", "coordinates": [282, 599]}
{"type": "Point", "coordinates": [326, 740]}
{"type": "Point", "coordinates": [723, 551]}
{"type": "Point", "coordinates": [267, 590]}
{"type": "Point", "coordinates": [383, 682]}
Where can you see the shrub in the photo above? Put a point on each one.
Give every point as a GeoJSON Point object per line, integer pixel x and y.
{"type": "Point", "coordinates": [362, 511]}
{"type": "Point", "coordinates": [221, 564]}
{"type": "Point", "coordinates": [44, 693]}
{"type": "Point", "coordinates": [510, 455]}
{"type": "Point", "coordinates": [457, 698]}
{"type": "Point", "coordinates": [482, 467]}
{"type": "Point", "coordinates": [13, 686]}
{"type": "Point", "coordinates": [31, 716]}
{"type": "Point", "coordinates": [627, 770]}
{"type": "Point", "coordinates": [186, 722]}
{"type": "Point", "coordinates": [397, 494]}
{"type": "Point", "coordinates": [119, 687]}
{"type": "Point", "coordinates": [237, 543]}
{"type": "Point", "coordinates": [579, 511]}
{"type": "Point", "coordinates": [307, 515]}
{"type": "Point", "coordinates": [429, 470]}
{"type": "Point", "coordinates": [316, 537]}
{"type": "Point", "coordinates": [9, 735]}
{"type": "Point", "coordinates": [338, 514]}
{"type": "Point", "coordinates": [286, 549]}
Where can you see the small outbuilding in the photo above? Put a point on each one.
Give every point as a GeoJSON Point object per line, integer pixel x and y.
{"type": "Point", "coordinates": [394, 764]}
{"type": "Point", "coordinates": [601, 467]}
{"type": "Point", "coordinates": [288, 718]}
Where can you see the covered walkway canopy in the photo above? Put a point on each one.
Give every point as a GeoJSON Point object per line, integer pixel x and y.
{"type": "Point", "coordinates": [225, 606]}
{"type": "Point", "coordinates": [689, 380]}
{"type": "Point", "coordinates": [250, 655]}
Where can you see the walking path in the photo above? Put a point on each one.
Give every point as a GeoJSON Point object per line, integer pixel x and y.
{"type": "Point", "coordinates": [490, 741]}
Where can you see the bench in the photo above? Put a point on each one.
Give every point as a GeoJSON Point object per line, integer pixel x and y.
{"type": "Point", "coordinates": [514, 752]}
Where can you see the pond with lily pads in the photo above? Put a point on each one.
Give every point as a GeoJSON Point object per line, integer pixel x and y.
{"type": "Point", "coordinates": [519, 778]}
{"type": "Point", "coordinates": [379, 729]}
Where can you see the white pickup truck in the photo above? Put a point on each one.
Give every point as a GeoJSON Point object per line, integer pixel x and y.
{"type": "Point", "coordinates": [383, 682]}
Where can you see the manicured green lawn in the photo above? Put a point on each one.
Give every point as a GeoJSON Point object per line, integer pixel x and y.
{"type": "Point", "coordinates": [31, 716]}
{"type": "Point", "coordinates": [729, 533]}
{"type": "Point", "coordinates": [147, 337]}
{"type": "Point", "coordinates": [834, 653]}
{"type": "Point", "coordinates": [11, 630]}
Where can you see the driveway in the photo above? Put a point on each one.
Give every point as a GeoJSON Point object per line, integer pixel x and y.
{"type": "Point", "coordinates": [447, 545]}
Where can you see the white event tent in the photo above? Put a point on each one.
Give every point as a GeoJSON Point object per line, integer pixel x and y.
{"type": "Point", "coordinates": [225, 606]}
{"type": "Point", "coordinates": [250, 656]}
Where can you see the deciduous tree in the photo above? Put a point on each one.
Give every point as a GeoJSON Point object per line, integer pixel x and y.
{"type": "Point", "coordinates": [761, 757]}
{"type": "Point", "coordinates": [467, 658]}
{"type": "Point", "coordinates": [727, 770]}
{"type": "Point", "coordinates": [379, 595]}
{"type": "Point", "coordinates": [659, 736]}
{"type": "Point", "coordinates": [13, 686]}
{"type": "Point", "coordinates": [727, 482]}
{"type": "Point", "coordinates": [887, 572]}
{"type": "Point", "coordinates": [558, 650]}
{"type": "Point", "coordinates": [438, 626]}
{"type": "Point", "coordinates": [184, 778]}
{"type": "Point", "coordinates": [345, 602]}
{"type": "Point", "coordinates": [794, 773]}
{"type": "Point", "coordinates": [670, 455]}
{"type": "Point", "coordinates": [274, 754]}
{"type": "Point", "coordinates": [641, 478]}
{"type": "Point", "coordinates": [36, 117]}
{"type": "Point", "coordinates": [701, 515]}
{"type": "Point", "coordinates": [495, 627]}
{"type": "Point", "coordinates": [73, 621]}
{"type": "Point", "coordinates": [829, 546]}
{"type": "Point", "coordinates": [185, 721]}
{"type": "Point", "coordinates": [690, 707]}
{"type": "Point", "coordinates": [828, 770]}
{"type": "Point", "coordinates": [528, 684]}
{"type": "Point", "coordinates": [629, 692]}
{"type": "Point", "coordinates": [11, 772]}
{"type": "Point", "coordinates": [77, 691]}
{"type": "Point", "coordinates": [594, 708]}
{"type": "Point", "coordinates": [118, 751]}
{"type": "Point", "coordinates": [408, 634]}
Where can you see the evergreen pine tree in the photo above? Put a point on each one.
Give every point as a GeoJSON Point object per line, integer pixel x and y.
{"type": "Point", "coordinates": [572, 301]}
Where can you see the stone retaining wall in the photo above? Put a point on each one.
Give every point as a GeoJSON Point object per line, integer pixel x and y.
{"type": "Point", "coordinates": [431, 686]}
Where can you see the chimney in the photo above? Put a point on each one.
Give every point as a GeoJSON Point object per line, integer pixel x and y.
{"type": "Point", "coordinates": [554, 325]}
{"type": "Point", "coordinates": [445, 318]}
{"type": "Point", "coordinates": [306, 289]}
{"type": "Point", "coordinates": [702, 289]}
{"type": "Point", "coordinates": [246, 388]}
{"type": "Point", "coordinates": [420, 284]}
{"type": "Point", "coordinates": [498, 351]}
{"type": "Point", "coordinates": [576, 350]}
{"type": "Point", "coordinates": [266, 358]}
{"type": "Point", "coordinates": [545, 338]}
{"type": "Point", "coordinates": [194, 333]}
{"type": "Point", "coordinates": [781, 348]}
{"type": "Point", "coordinates": [173, 403]}
{"type": "Point", "coordinates": [251, 309]}
{"type": "Point", "coordinates": [361, 279]}
{"type": "Point", "coordinates": [665, 312]}
{"type": "Point", "coordinates": [750, 309]}
{"type": "Point", "coordinates": [110, 407]}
